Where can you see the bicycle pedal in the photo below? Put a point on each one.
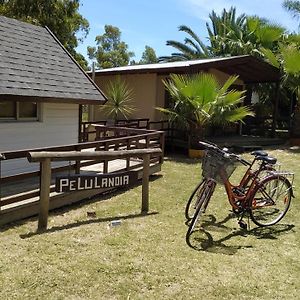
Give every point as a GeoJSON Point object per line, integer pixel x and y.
{"type": "Point", "coordinates": [243, 224]}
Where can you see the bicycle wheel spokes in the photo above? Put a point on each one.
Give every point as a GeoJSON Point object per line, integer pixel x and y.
{"type": "Point", "coordinates": [194, 200]}
{"type": "Point", "coordinates": [207, 192]}
{"type": "Point", "coordinates": [271, 201]}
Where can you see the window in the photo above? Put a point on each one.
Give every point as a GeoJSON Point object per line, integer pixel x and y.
{"type": "Point", "coordinates": [20, 111]}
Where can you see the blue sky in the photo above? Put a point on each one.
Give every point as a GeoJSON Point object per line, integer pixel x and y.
{"type": "Point", "coordinates": [153, 22]}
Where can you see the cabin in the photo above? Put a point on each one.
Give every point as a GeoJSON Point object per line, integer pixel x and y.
{"type": "Point", "coordinates": [42, 90]}
{"type": "Point", "coordinates": [146, 81]}
{"type": "Point", "coordinates": [149, 91]}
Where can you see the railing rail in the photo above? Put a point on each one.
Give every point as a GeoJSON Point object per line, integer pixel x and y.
{"type": "Point", "coordinates": [87, 129]}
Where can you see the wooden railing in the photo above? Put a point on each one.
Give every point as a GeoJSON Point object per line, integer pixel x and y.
{"type": "Point", "coordinates": [265, 126]}
{"type": "Point", "coordinates": [107, 138]}
{"type": "Point", "coordinates": [87, 130]}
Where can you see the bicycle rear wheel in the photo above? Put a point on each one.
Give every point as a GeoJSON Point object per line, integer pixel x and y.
{"type": "Point", "coordinates": [204, 198]}
{"type": "Point", "coordinates": [271, 200]}
{"type": "Point", "coordinates": [194, 200]}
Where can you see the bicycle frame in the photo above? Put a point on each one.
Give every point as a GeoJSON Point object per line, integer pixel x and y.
{"type": "Point", "coordinates": [235, 200]}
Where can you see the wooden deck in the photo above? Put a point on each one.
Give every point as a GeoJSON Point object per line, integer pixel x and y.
{"type": "Point", "coordinates": [20, 192]}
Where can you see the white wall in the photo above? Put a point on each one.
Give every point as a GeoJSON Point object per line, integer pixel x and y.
{"type": "Point", "coordinates": [58, 126]}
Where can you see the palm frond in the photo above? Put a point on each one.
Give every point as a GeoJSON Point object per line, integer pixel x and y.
{"type": "Point", "coordinates": [120, 98]}
{"type": "Point", "coordinates": [271, 57]}
{"type": "Point", "coordinates": [199, 99]}
{"type": "Point", "coordinates": [238, 114]}
{"type": "Point", "coordinates": [291, 58]}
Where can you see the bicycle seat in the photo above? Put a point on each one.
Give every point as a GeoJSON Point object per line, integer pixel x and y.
{"type": "Point", "coordinates": [259, 153]}
{"type": "Point", "coordinates": [268, 159]}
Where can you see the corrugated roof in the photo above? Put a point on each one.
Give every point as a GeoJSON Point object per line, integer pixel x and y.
{"type": "Point", "coordinates": [249, 68]}
{"type": "Point", "coordinates": [34, 64]}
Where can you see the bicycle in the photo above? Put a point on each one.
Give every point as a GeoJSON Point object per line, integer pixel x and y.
{"type": "Point", "coordinates": [241, 188]}
{"type": "Point", "coordinates": [266, 199]}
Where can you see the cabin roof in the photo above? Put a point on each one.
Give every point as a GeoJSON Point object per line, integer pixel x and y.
{"type": "Point", "coordinates": [35, 65]}
{"type": "Point", "coordinates": [249, 68]}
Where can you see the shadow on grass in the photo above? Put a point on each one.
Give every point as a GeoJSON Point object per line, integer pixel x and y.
{"type": "Point", "coordinates": [86, 222]}
{"type": "Point", "coordinates": [203, 240]}
{"type": "Point", "coordinates": [182, 159]}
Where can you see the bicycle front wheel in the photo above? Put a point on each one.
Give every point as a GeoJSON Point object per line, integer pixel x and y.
{"type": "Point", "coordinates": [206, 194]}
{"type": "Point", "coordinates": [194, 200]}
{"type": "Point", "coordinates": [271, 200]}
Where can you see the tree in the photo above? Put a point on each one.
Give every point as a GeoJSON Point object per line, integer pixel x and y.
{"type": "Point", "coordinates": [110, 51]}
{"type": "Point", "coordinates": [60, 16]}
{"type": "Point", "coordinates": [199, 101]}
{"type": "Point", "coordinates": [148, 56]}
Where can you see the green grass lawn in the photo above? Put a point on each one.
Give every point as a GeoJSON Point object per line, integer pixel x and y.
{"type": "Point", "coordinates": [146, 257]}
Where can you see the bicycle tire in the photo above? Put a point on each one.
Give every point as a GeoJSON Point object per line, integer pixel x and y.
{"type": "Point", "coordinates": [193, 201]}
{"type": "Point", "coordinates": [201, 207]}
{"type": "Point", "coordinates": [271, 200]}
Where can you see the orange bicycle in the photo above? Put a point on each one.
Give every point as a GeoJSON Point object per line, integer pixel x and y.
{"type": "Point", "coordinates": [266, 199]}
{"type": "Point", "coordinates": [240, 189]}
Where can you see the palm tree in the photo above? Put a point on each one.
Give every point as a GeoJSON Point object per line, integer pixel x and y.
{"type": "Point", "coordinates": [242, 35]}
{"type": "Point", "coordinates": [224, 28]}
{"type": "Point", "coordinates": [119, 104]}
{"type": "Point", "coordinates": [228, 35]}
{"type": "Point", "coordinates": [199, 101]}
{"type": "Point", "coordinates": [192, 48]}
{"type": "Point", "coordinates": [293, 7]}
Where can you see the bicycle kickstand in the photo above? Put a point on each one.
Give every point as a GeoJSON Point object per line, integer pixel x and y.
{"type": "Point", "coordinates": [242, 223]}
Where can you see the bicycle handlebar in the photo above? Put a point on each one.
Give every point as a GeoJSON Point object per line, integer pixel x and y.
{"type": "Point", "coordinates": [214, 147]}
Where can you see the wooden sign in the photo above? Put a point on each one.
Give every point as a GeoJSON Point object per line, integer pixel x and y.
{"type": "Point", "coordinates": [88, 182]}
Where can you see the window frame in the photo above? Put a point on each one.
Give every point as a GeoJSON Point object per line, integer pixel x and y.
{"type": "Point", "coordinates": [17, 117]}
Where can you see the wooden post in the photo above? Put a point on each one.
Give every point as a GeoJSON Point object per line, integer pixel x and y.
{"type": "Point", "coordinates": [162, 146]}
{"type": "Point", "coordinates": [147, 141]}
{"type": "Point", "coordinates": [145, 183]}
{"type": "Point", "coordinates": [77, 163]}
{"type": "Point", "coordinates": [80, 131]}
{"type": "Point", "coordinates": [275, 110]}
{"type": "Point", "coordinates": [98, 133]}
{"type": "Point", "coordinates": [44, 193]}
{"type": "Point", "coordinates": [128, 158]}
{"type": "Point", "coordinates": [105, 164]}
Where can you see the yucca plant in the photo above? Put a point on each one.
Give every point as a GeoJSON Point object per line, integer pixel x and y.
{"type": "Point", "coordinates": [200, 101]}
{"type": "Point", "coordinates": [120, 97]}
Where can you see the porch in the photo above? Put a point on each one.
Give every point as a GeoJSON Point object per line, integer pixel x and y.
{"type": "Point", "coordinates": [235, 136]}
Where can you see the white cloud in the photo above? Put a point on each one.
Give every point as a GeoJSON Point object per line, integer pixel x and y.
{"type": "Point", "coordinates": [201, 9]}
{"type": "Point", "coordinates": [270, 9]}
